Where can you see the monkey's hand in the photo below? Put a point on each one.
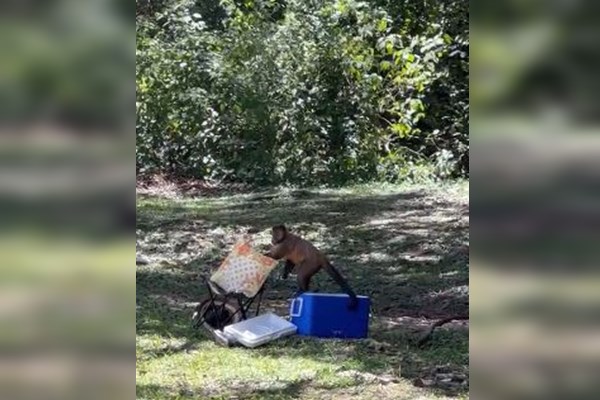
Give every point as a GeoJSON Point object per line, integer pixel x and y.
{"type": "Point", "coordinates": [268, 254]}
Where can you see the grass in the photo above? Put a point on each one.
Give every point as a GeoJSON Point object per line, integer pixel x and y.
{"type": "Point", "coordinates": [404, 246]}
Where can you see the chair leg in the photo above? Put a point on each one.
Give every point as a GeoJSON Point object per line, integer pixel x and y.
{"type": "Point", "coordinates": [214, 307]}
{"type": "Point", "coordinates": [258, 303]}
{"type": "Point", "coordinates": [247, 305]}
{"type": "Point", "coordinates": [220, 324]}
{"type": "Point", "coordinates": [242, 308]}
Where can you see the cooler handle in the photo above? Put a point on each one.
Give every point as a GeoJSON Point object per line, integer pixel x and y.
{"type": "Point", "coordinates": [295, 301]}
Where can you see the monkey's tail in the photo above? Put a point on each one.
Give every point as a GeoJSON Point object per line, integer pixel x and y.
{"type": "Point", "coordinates": [339, 279]}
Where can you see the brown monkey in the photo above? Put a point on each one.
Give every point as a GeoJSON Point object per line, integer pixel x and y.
{"type": "Point", "coordinates": [306, 259]}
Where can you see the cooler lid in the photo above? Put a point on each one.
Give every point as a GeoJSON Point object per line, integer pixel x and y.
{"type": "Point", "coordinates": [260, 329]}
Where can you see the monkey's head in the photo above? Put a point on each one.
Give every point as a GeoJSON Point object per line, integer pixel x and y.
{"type": "Point", "coordinates": [279, 234]}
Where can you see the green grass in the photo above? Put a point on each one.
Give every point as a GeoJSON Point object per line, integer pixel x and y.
{"type": "Point", "coordinates": [404, 246]}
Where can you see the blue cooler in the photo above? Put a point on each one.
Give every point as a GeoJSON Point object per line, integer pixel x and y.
{"type": "Point", "coordinates": [327, 316]}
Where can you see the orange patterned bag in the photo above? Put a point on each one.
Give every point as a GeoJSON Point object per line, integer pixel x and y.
{"type": "Point", "coordinates": [244, 270]}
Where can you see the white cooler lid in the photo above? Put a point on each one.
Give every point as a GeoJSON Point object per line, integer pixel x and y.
{"type": "Point", "coordinates": [260, 330]}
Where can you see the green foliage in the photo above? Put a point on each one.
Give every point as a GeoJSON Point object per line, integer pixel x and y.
{"type": "Point", "coordinates": [312, 92]}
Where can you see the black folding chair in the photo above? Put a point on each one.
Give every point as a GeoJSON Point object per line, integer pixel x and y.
{"type": "Point", "coordinates": [233, 289]}
{"type": "Point", "coordinates": [221, 308]}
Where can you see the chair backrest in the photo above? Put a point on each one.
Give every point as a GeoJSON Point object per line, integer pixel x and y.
{"type": "Point", "coordinates": [244, 270]}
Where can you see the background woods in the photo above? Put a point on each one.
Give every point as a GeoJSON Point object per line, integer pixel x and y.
{"type": "Point", "coordinates": [304, 92]}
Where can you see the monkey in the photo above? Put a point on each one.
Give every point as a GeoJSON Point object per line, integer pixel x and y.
{"type": "Point", "coordinates": [306, 259]}
{"type": "Point", "coordinates": [288, 268]}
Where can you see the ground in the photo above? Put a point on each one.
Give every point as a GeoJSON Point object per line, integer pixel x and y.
{"type": "Point", "coordinates": [404, 246]}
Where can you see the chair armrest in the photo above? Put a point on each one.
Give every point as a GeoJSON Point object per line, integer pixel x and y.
{"type": "Point", "coordinates": [216, 288]}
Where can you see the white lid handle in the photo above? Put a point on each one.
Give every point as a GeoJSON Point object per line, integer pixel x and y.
{"type": "Point", "coordinates": [293, 311]}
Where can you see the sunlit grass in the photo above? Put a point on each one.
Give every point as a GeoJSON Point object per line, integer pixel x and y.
{"type": "Point", "coordinates": [176, 361]}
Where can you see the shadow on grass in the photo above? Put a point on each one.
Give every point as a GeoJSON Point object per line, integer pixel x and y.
{"type": "Point", "coordinates": [165, 297]}
{"type": "Point", "coordinates": [287, 390]}
{"type": "Point", "coordinates": [332, 209]}
{"type": "Point", "coordinates": [407, 251]}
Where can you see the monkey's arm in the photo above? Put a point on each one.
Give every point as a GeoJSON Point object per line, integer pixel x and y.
{"type": "Point", "coordinates": [277, 252]}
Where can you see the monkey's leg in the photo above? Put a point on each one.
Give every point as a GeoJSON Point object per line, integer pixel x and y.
{"type": "Point", "coordinates": [287, 269]}
{"type": "Point", "coordinates": [303, 277]}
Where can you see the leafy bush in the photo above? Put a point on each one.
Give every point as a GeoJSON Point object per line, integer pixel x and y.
{"type": "Point", "coordinates": [310, 92]}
